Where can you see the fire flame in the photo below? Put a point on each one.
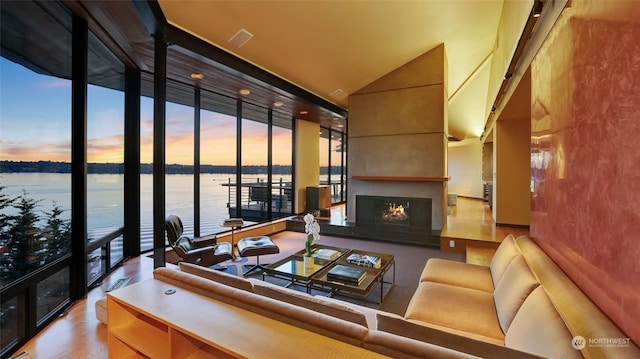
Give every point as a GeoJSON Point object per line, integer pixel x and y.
{"type": "Point", "coordinates": [395, 212]}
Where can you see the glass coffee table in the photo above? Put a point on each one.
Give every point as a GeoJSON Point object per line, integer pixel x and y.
{"type": "Point", "coordinates": [373, 277]}
{"type": "Point", "coordinates": [292, 268]}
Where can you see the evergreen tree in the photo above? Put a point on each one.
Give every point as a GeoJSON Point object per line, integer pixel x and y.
{"type": "Point", "coordinates": [5, 219]}
{"type": "Point", "coordinates": [23, 238]}
{"type": "Point", "coordinates": [6, 222]}
{"type": "Point", "coordinates": [58, 234]}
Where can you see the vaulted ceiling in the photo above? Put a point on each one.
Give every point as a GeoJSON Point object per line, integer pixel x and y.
{"type": "Point", "coordinates": [334, 48]}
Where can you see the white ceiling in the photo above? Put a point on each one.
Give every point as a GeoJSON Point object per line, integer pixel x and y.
{"type": "Point", "coordinates": [323, 46]}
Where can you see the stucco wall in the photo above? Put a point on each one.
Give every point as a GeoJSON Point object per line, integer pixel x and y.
{"type": "Point", "coordinates": [585, 162]}
{"type": "Point", "coordinates": [397, 128]}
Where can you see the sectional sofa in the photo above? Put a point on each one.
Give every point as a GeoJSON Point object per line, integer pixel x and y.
{"type": "Point", "coordinates": [521, 306]}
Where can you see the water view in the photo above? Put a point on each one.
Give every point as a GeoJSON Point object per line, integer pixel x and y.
{"type": "Point", "coordinates": [105, 204]}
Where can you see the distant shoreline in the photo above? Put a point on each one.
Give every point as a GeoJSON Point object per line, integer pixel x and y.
{"type": "Point", "coordinates": [118, 168]}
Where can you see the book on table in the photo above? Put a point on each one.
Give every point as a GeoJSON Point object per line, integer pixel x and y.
{"type": "Point", "coordinates": [233, 222]}
{"type": "Point", "coordinates": [365, 260]}
{"type": "Point", "coordinates": [346, 274]}
{"type": "Point", "coordinates": [326, 253]}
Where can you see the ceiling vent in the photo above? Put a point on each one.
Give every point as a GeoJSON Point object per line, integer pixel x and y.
{"type": "Point", "coordinates": [240, 38]}
{"type": "Point", "coordinates": [336, 93]}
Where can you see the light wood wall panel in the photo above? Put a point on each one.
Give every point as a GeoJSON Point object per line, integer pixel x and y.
{"type": "Point", "coordinates": [307, 144]}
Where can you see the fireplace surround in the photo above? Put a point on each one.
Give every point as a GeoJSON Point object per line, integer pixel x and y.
{"type": "Point", "coordinates": [393, 212]}
{"type": "Point", "coordinates": [384, 218]}
{"type": "Point", "coordinates": [396, 219]}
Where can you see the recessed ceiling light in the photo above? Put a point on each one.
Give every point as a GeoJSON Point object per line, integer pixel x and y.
{"type": "Point", "coordinates": [278, 103]}
{"type": "Point", "coordinates": [340, 125]}
{"type": "Point", "coordinates": [197, 76]}
{"type": "Point", "coordinates": [537, 8]}
{"type": "Point", "coordinates": [244, 91]}
{"type": "Point", "coordinates": [304, 112]}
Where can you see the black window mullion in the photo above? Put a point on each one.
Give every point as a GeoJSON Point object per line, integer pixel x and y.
{"type": "Point", "coordinates": [294, 194]}
{"type": "Point", "coordinates": [330, 163]}
{"type": "Point", "coordinates": [343, 170]}
{"type": "Point", "coordinates": [239, 159]}
{"type": "Point", "coordinates": [270, 165]}
{"type": "Point", "coordinates": [159, 130]}
{"type": "Point", "coordinates": [79, 80]}
{"type": "Point", "coordinates": [196, 164]}
{"type": "Point", "coordinates": [132, 93]}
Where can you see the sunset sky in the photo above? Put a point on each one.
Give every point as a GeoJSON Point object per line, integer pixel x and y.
{"type": "Point", "coordinates": [35, 124]}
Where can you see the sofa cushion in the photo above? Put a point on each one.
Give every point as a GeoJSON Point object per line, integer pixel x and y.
{"type": "Point", "coordinates": [301, 317]}
{"type": "Point", "coordinates": [538, 328]}
{"type": "Point", "coordinates": [459, 332]}
{"type": "Point", "coordinates": [507, 250]}
{"type": "Point", "coordinates": [399, 347]}
{"type": "Point", "coordinates": [458, 308]}
{"type": "Point", "coordinates": [457, 273]}
{"type": "Point", "coordinates": [197, 284]}
{"type": "Point", "coordinates": [101, 310]}
{"type": "Point", "coordinates": [371, 314]}
{"type": "Point", "coordinates": [217, 276]}
{"type": "Point", "coordinates": [514, 287]}
{"type": "Point", "coordinates": [317, 304]}
{"type": "Point", "coordinates": [460, 343]}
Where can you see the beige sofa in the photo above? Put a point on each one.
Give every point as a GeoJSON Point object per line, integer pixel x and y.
{"type": "Point", "coordinates": [521, 306]}
{"type": "Point", "coordinates": [522, 301]}
{"type": "Point", "coordinates": [350, 323]}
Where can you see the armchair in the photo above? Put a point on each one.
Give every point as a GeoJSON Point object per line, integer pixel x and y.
{"type": "Point", "coordinates": [204, 251]}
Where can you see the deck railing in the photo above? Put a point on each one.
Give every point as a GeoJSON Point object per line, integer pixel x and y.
{"type": "Point", "coordinates": [254, 197]}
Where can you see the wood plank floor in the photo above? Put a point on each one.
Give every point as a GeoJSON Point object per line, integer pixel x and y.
{"type": "Point", "coordinates": [471, 222]}
{"type": "Point", "coordinates": [78, 334]}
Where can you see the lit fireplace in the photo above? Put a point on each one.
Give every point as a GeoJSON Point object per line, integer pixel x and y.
{"type": "Point", "coordinates": [396, 219]}
{"type": "Point", "coordinates": [395, 213]}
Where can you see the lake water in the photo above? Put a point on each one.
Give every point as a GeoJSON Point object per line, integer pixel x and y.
{"type": "Point", "coordinates": [105, 204]}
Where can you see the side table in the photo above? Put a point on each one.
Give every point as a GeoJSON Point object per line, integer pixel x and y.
{"type": "Point", "coordinates": [234, 223]}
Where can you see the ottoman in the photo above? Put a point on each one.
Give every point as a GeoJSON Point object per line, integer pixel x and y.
{"type": "Point", "coordinates": [256, 246]}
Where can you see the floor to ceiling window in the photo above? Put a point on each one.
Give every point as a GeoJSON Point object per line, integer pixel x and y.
{"type": "Point", "coordinates": [179, 154]}
{"type": "Point", "coordinates": [282, 142]}
{"type": "Point", "coordinates": [105, 158]}
{"type": "Point", "coordinates": [35, 191]}
{"type": "Point", "coordinates": [332, 163]}
{"type": "Point", "coordinates": [218, 131]}
{"type": "Point", "coordinates": [337, 174]}
{"type": "Point", "coordinates": [324, 153]}
{"type": "Point", "coordinates": [146, 169]}
{"type": "Point", "coordinates": [35, 184]}
{"type": "Point", "coordinates": [254, 186]}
